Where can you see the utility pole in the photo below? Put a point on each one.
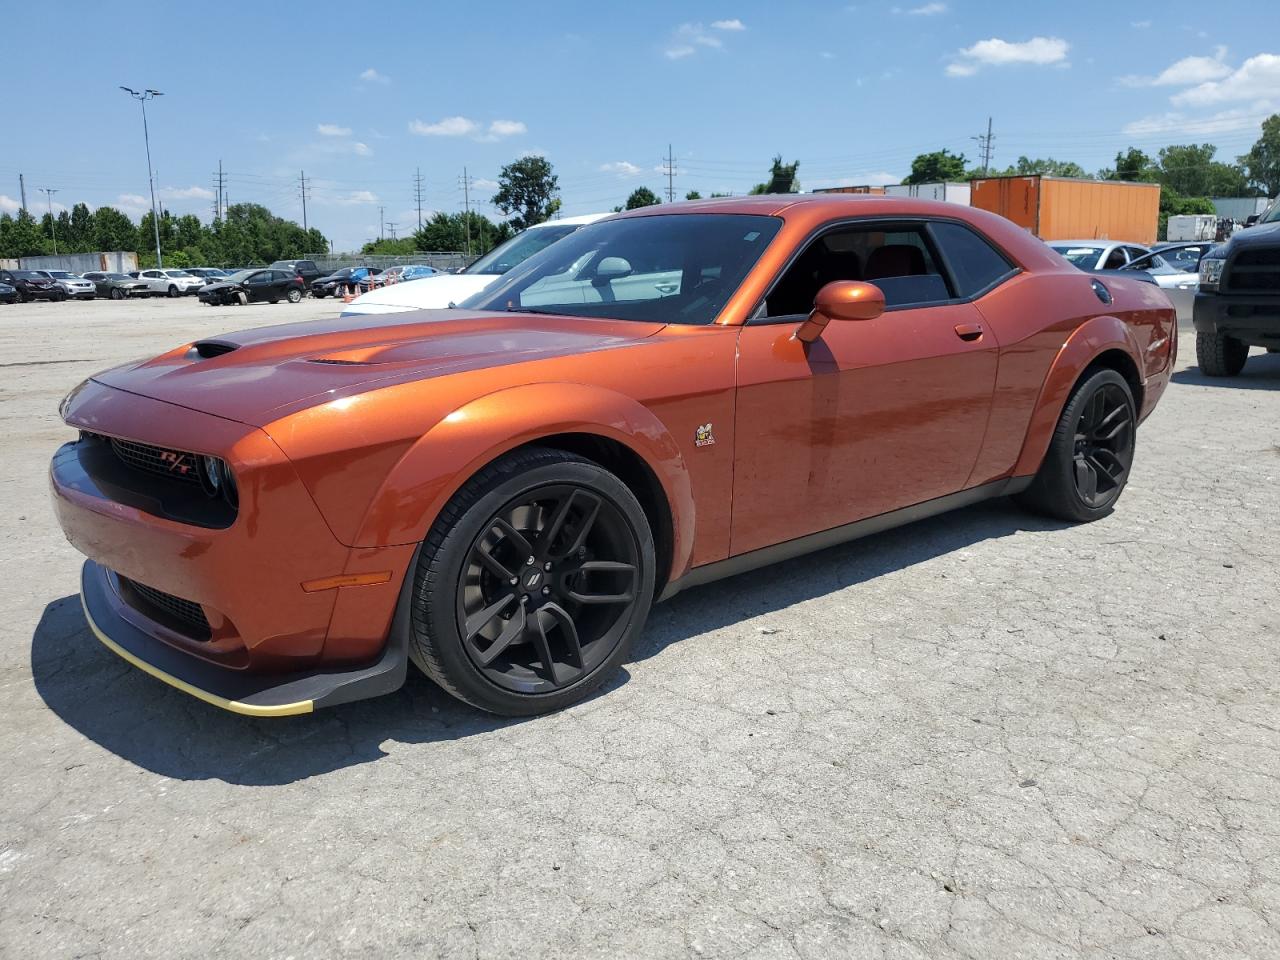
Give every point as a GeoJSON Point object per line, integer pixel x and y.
{"type": "Point", "coordinates": [984, 147]}
{"type": "Point", "coordinates": [22, 189]}
{"type": "Point", "coordinates": [466, 207]}
{"type": "Point", "coordinates": [381, 223]}
{"type": "Point", "coordinates": [142, 97]}
{"type": "Point", "coordinates": [53, 224]}
{"type": "Point", "coordinates": [391, 227]}
{"type": "Point", "coordinates": [302, 190]}
{"type": "Point", "coordinates": [671, 174]}
{"type": "Point", "coordinates": [417, 193]}
{"type": "Point", "coordinates": [219, 187]}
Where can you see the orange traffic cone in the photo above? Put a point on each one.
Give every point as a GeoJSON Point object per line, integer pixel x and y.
{"type": "Point", "coordinates": [347, 296]}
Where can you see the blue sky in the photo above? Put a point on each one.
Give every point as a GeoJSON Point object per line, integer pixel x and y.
{"type": "Point", "coordinates": [361, 96]}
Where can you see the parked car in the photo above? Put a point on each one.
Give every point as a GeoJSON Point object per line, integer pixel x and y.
{"type": "Point", "coordinates": [74, 284]}
{"type": "Point", "coordinates": [337, 283]}
{"type": "Point", "coordinates": [1238, 303]}
{"type": "Point", "coordinates": [1177, 284]}
{"type": "Point", "coordinates": [248, 286]}
{"type": "Point", "coordinates": [1096, 255]}
{"type": "Point", "coordinates": [1184, 256]}
{"type": "Point", "coordinates": [208, 274]}
{"type": "Point", "coordinates": [398, 274]}
{"type": "Point", "coordinates": [32, 285]}
{"type": "Point", "coordinates": [306, 269]}
{"type": "Point", "coordinates": [117, 286]}
{"type": "Point", "coordinates": [446, 289]}
{"type": "Point", "coordinates": [675, 395]}
{"type": "Point", "coordinates": [8, 293]}
{"type": "Point", "coordinates": [171, 283]}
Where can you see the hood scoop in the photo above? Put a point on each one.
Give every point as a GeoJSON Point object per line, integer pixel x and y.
{"type": "Point", "coordinates": [208, 349]}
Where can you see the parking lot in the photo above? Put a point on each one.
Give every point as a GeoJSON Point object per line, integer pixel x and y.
{"type": "Point", "coordinates": [983, 736]}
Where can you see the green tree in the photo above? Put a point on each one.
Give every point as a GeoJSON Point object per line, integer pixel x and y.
{"type": "Point", "coordinates": [642, 197]}
{"type": "Point", "coordinates": [693, 195]}
{"type": "Point", "coordinates": [20, 236]}
{"type": "Point", "coordinates": [1048, 167]}
{"type": "Point", "coordinates": [449, 232]}
{"type": "Point", "coordinates": [1191, 170]}
{"type": "Point", "coordinates": [112, 230]}
{"type": "Point", "coordinates": [937, 167]}
{"type": "Point", "coordinates": [1262, 162]}
{"type": "Point", "coordinates": [1131, 165]}
{"type": "Point", "coordinates": [528, 192]}
{"type": "Point", "coordinates": [399, 247]}
{"type": "Point", "coordinates": [79, 237]}
{"type": "Point", "coordinates": [782, 178]}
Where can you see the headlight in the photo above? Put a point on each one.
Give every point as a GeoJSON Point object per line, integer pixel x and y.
{"type": "Point", "coordinates": [217, 480]}
{"type": "Point", "coordinates": [1211, 273]}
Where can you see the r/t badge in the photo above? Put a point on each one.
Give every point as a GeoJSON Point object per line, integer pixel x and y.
{"type": "Point", "coordinates": [703, 437]}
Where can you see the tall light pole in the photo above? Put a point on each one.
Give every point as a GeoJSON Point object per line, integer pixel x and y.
{"type": "Point", "coordinates": [142, 97]}
{"type": "Point", "coordinates": [53, 224]}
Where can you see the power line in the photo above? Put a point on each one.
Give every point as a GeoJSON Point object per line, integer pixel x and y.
{"type": "Point", "coordinates": [466, 207]}
{"type": "Point", "coordinates": [302, 191]}
{"type": "Point", "coordinates": [671, 173]}
{"type": "Point", "coordinates": [219, 191]}
{"type": "Point", "coordinates": [984, 147]}
{"type": "Point", "coordinates": [381, 223]}
{"type": "Point", "coordinates": [391, 226]}
{"type": "Point", "coordinates": [53, 224]}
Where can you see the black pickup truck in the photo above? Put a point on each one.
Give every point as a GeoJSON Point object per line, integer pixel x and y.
{"type": "Point", "coordinates": [1238, 304]}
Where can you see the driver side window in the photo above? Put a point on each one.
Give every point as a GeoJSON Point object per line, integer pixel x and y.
{"type": "Point", "coordinates": [1115, 259]}
{"type": "Point", "coordinates": [896, 259]}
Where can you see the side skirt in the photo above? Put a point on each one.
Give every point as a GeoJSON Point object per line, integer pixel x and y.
{"type": "Point", "coordinates": [790, 549]}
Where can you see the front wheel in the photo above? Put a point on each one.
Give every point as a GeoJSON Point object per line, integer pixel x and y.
{"type": "Point", "coordinates": [532, 584]}
{"type": "Point", "coordinates": [1090, 454]}
{"type": "Point", "coordinates": [173, 291]}
{"type": "Point", "coordinates": [1219, 355]}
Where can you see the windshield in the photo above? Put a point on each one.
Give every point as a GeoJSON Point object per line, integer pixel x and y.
{"type": "Point", "coordinates": [519, 249]}
{"type": "Point", "coordinates": [657, 269]}
{"type": "Point", "coordinates": [62, 275]}
{"type": "Point", "coordinates": [240, 276]}
{"type": "Point", "coordinates": [1271, 214]}
{"type": "Point", "coordinates": [27, 275]}
{"type": "Point", "coordinates": [116, 276]}
{"type": "Point", "coordinates": [176, 273]}
{"type": "Point", "coordinates": [1080, 256]}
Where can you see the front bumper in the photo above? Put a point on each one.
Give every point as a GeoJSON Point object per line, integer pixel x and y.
{"type": "Point", "coordinates": [256, 695]}
{"type": "Point", "coordinates": [1251, 318]}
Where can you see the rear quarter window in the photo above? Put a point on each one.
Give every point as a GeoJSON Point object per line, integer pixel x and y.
{"type": "Point", "coordinates": [976, 264]}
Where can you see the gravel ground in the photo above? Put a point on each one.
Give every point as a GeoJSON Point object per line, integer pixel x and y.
{"type": "Point", "coordinates": [983, 736]}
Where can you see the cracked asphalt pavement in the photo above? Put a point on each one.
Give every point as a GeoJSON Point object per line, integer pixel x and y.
{"type": "Point", "coordinates": [983, 736]}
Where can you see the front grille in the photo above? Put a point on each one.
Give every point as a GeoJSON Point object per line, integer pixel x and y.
{"type": "Point", "coordinates": [1255, 271]}
{"type": "Point", "coordinates": [175, 464]}
{"type": "Point", "coordinates": [185, 614]}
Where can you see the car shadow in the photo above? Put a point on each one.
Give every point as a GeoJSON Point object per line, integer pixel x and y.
{"type": "Point", "coordinates": [153, 726]}
{"type": "Point", "coordinates": [1261, 372]}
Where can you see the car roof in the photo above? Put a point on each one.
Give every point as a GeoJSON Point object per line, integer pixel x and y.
{"type": "Point", "coordinates": [571, 221]}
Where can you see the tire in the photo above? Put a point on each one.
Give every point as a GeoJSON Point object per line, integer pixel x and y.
{"type": "Point", "coordinates": [59, 296]}
{"type": "Point", "coordinates": [117, 293]}
{"type": "Point", "coordinates": [173, 291]}
{"type": "Point", "coordinates": [277, 300]}
{"type": "Point", "coordinates": [1061, 488]}
{"type": "Point", "coordinates": [1220, 355]}
{"type": "Point", "coordinates": [242, 298]}
{"type": "Point", "coordinates": [530, 490]}
{"type": "Point", "coordinates": [294, 295]}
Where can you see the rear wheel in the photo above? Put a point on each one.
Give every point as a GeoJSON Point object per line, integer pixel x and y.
{"type": "Point", "coordinates": [1090, 454]}
{"type": "Point", "coordinates": [59, 296]}
{"type": "Point", "coordinates": [1220, 355]}
{"type": "Point", "coordinates": [532, 584]}
{"type": "Point", "coordinates": [294, 295]}
{"type": "Point", "coordinates": [117, 293]}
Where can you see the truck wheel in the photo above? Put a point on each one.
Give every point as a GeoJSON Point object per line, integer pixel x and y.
{"type": "Point", "coordinates": [532, 584]}
{"type": "Point", "coordinates": [1087, 464]}
{"type": "Point", "coordinates": [1220, 355]}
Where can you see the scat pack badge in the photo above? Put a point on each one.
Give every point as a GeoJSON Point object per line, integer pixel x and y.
{"type": "Point", "coordinates": [703, 437]}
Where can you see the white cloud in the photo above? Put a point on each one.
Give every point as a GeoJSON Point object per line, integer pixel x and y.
{"type": "Point", "coordinates": [185, 193]}
{"type": "Point", "coordinates": [362, 149]}
{"type": "Point", "coordinates": [481, 183]}
{"type": "Point", "coordinates": [1140, 24]}
{"type": "Point", "coordinates": [878, 179]}
{"type": "Point", "coordinates": [621, 167]}
{"type": "Point", "coordinates": [1226, 121]}
{"type": "Point", "coordinates": [1257, 78]}
{"type": "Point", "coordinates": [688, 37]}
{"type": "Point", "coordinates": [827, 55]}
{"type": "Point", "coordinates": [133, 203]}
{"type": "Point", "coordinates": [925, 10]}
{"type": "Point", "coordinates": [332, 130]}
{"type": "Point", "coordinates": [448, 127]}
{"type": "Point", "coordinates": [994, 52]}
{"type": "Point", "coordinates": [355, 197]}
{"type": "Point", "coordinates": [373, 76]}
{"type": "Point", "coordinates": [507, 128]}
{"type": "Point", "coordinates": [1185, 72]}
{"type": "Point", "coordinates": [9, 205]}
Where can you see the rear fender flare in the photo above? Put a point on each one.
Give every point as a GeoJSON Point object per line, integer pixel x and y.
{"type": "Point", "coordinates": [479, 432]}
{"type": "Point", "coordinates": [1088, 342]}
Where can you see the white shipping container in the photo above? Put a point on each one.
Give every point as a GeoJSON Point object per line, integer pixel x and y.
{"type": "Point", "coordinates": [1192, 226]}
{"type": "Point", "coordinates": [950, 192]}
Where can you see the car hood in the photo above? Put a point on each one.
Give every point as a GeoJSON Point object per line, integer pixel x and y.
{"type": "Point", "coordinates": [429, 293]}
{"type": "Point", "coordinates": [257, 376]}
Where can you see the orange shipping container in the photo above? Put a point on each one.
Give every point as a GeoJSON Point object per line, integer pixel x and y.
{"type": "Point", "coordinates": [1063, 208]}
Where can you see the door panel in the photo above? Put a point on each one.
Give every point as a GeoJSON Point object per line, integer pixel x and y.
{"type": "Point", "coordinates": [873, 416]}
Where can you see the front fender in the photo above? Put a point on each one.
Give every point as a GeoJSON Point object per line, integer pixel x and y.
{"type": "Point", "coordinates": [1089, 341]}
{"type": "Point", "coordinates": [434, 468]}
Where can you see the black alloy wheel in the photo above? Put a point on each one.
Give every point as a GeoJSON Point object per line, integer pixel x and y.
{"type": "Point", "coordinates": [1090, 454]}
{"type": "Point", "coordinates": [1103, 451]}
{"type": "Point", "coordinates": [532, 583]}
{"type": "Point", "coordinates": [117, 293]}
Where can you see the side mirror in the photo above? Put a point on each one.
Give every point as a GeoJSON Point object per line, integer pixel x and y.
{"type": "Point", "coordinates": [612, 268]}
{"type": "Point", "coordinates": [841, 300]}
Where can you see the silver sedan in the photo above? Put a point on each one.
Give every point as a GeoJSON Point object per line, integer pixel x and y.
{"type": "Point", "coordinates": [1116, 255]}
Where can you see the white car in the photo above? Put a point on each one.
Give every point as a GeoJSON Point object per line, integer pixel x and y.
{"type": "Point", "coordinates": [172, 283]}
{"type": "Point", "coordinates": [72, 284]}
{"type": "Point", "coordinates": [1179, 285]}
{"type": "Point", "coordinates": [452, 288]}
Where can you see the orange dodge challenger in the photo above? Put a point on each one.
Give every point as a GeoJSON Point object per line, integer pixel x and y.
{"type": "Point", "coordinates": [280, 519]}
